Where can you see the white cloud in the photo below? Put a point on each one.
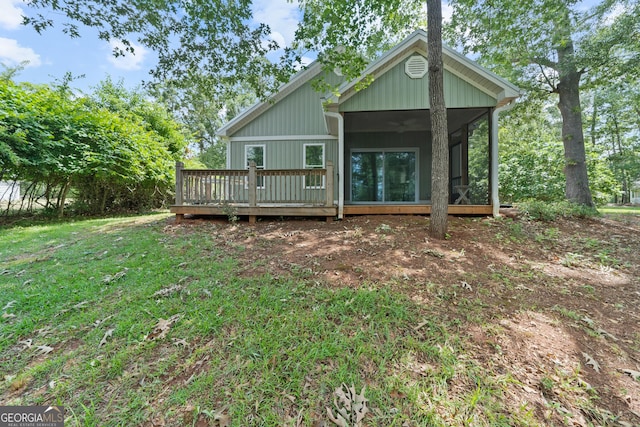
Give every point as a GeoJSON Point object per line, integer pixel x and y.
{"type": "Point", "coordinates": [610, 17]}
{"type": "Point", "coordinates": [11, 53]}
{"type": "Point", "coordinates": [281, 16]}
{"type": "Point", "coordinates": [130, 61]}
{"type": "Point", "coordinates": [447, 12]}
{"type": "Point", "coordinates": [11, 16]}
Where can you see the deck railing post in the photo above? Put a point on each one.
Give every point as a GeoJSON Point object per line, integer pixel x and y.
{"type": "Point", "coordinates": [329, 184]}
{"type": "Point", "coordinates": [252, 184]}
{"type": "Point", "coordinates": [252, 191]}
{"type": "Point", "coordinates": [179, 182]}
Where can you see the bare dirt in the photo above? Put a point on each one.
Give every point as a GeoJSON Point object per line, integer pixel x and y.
{"type": "Point", "coordinates": [554, 304]}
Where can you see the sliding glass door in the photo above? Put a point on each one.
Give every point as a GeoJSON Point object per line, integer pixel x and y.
{"type": "Point", "coordinates": [383, 176]}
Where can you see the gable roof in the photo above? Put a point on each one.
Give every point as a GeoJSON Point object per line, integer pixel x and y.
{"type": "Point", "coordinates": [453, 61]}
{"type": "Point", "coordinates": [500, 89]}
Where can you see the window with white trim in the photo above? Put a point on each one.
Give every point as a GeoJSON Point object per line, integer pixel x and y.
{"type": "Point", "coordinates": [313, 159]}
{"type": "Point", "coordinates": [256, 154]}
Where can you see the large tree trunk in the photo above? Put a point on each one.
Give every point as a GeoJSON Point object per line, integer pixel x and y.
{"type": "Point", "coordinates": [438, 111]}
{"type": "Point", "coordinates": [575, 169]}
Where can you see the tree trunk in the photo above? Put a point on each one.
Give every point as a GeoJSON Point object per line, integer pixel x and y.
{"type": "Point", "coordinates": [626, 191]}
{"type": "Point", "coordinates": [438, 111]}
{"type": "Point", "coordinates": [575, 169]}
{"type": "Point", "coordinates": [62, 197]}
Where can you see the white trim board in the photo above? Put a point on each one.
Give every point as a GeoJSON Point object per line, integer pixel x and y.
{"type": "Point", "coordinates": [282, 138]}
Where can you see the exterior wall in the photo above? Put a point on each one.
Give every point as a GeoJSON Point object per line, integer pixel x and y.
{"type": "Point", "coordinates": [286, 154]}
{"type": "Point", "coordinates": [394, 90]}
{"type": "Point", "coordinates": [393, 140]}
{"type": "Point", "coordinates": [299, 113]}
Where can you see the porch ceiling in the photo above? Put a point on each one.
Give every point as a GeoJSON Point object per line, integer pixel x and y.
{"type": "Point", "coordinates": [406, 121]}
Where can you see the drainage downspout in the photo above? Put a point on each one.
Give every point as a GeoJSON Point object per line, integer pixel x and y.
{"type": "Point", "coordinates": [495, 199]}
{"type": "Point", "coordinates": [340, 119]}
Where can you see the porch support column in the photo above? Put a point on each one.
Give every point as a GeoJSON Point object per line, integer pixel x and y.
{"type": "Point", "coordinates": [495, 198]}
{"type": "Point", "coordinates": [340, 119]}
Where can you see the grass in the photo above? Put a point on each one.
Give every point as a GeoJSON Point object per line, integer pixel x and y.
{"type": "Point", "coordinates": [122, 321]}
{"type": "Point", "coordinates": [623, 210]}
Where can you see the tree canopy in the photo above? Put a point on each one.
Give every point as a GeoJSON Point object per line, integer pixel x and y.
{"type": "Point", "coordinates": [551, 47]}
{"type": "Point", "coordinates": [213, 59]}
{"type": "Point", "coordinates": [112, 150]}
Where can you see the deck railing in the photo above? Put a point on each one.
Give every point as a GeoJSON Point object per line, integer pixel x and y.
{"type": "Point", "coordinates": [254, 187]}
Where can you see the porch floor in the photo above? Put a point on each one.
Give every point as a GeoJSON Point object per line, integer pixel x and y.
{"type": "Point", "coordinates": [422, 209]}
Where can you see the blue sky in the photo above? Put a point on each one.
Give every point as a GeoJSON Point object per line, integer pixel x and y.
{"type": "Point", "coordinates": [53, 53]}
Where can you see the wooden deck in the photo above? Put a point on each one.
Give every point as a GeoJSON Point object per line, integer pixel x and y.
{"type": "Point", "coordinates": [255, 192]}
{"type": "Point", "coordinates": [289, 192]}
{"type": "Point", "coordinates": [322, 211]}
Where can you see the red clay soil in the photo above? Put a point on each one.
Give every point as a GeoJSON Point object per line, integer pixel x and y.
{"type": "Point", "coordinates": [551, 303]}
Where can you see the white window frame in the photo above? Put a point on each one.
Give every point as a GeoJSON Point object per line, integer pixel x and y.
{"type": "Point", "coordinates": [305, 166]}
{"type": "Point", "coordinates": [259, 185]}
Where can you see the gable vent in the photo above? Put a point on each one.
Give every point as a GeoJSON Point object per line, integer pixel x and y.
{"type": "Point", "coordinates": [416, 67]}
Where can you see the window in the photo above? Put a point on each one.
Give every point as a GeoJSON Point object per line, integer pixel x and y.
{"type": "Point", "coordinates": [256, 154]}
{"type": "Point", "coordinates": [313, 159]}
{"type": "Point", "coordinates": [384, 176]}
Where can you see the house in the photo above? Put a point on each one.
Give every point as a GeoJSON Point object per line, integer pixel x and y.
{"type": "Point", "coordinates": [635, 193]}
{"type": "Point", "coordinates": [363, 151]}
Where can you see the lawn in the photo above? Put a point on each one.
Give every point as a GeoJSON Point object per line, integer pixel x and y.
{"type": "Point", "coordinates": [623, 210]}
{"type": "Point", "coordinates": [141, 321]}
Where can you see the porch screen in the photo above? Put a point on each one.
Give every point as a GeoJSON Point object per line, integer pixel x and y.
{"type": "Point", "coordinates": [383, 176]}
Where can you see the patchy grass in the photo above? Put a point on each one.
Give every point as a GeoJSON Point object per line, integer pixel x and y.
{"type": "Point", "coordinates": [621, 210]}
{"type": "Point", "coordinates": [138, 321]}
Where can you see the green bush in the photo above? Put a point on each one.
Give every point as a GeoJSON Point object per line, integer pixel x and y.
{"type": "Point", "coordinates": [550, 211]}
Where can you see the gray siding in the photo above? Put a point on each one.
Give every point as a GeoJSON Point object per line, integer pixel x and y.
{"type": "Point", "coordinates": [286, 155]}
{"type": "Point", "coordinates": [299, 113]}
{"type": "Point", "coordinates": [394, 90]}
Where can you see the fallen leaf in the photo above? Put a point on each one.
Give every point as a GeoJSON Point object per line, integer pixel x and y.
{"type": "Point", "coordinates": [107, 334]}
{"type": "Point", "coordinates": [9, 305]}
{"type": "Point", "coordinates": [45, 349]}
{"type": "Point", "coordinates": [8, 315]}
{"type": "Point", "coordinates": [606, 334]}
{"type": "Point", "coordinates": [351, 407]}
{"type": "Point", "coordinates": [119, 275]}
{"type": "Point", "coordinates": [180, 342]}
{"type": "Point", "coordinates": [100, 322]}
{"type": "Point", "coordinates": [162, 327]}
{"type": "Point", "coordinates": [633, 374]}
{"type": "Point", "coordinates": [223, 420]}
{"type": "Point", "coordinates": [167, 291]}
{"type": "Point", "coordinates": [591, 361]}
{"type": "Point", "coordinates": [588, 321]}
{"type": "Point", "coordinates": [420, 325]}
{"type": "Point", "coordinates": [26, 343]}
